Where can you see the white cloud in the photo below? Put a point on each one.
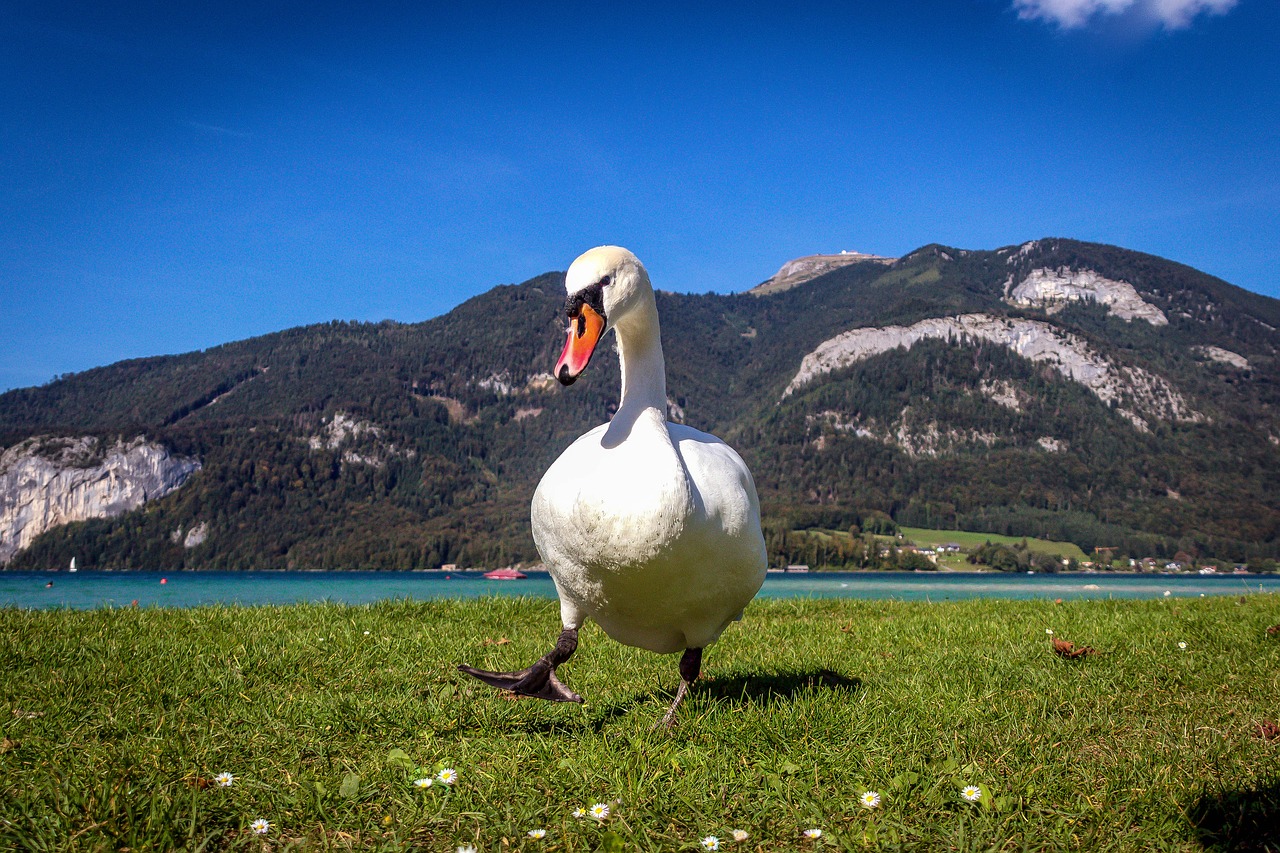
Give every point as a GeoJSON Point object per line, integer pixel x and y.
{"type": "Point", "coordinates": [1069, 14]}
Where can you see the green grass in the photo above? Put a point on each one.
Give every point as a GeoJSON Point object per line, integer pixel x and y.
{"type": "Point", "coordinates": [968, 541]}
{"type": "Point", "coordinates": [113, 721]}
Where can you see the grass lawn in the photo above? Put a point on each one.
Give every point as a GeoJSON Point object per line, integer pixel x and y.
{"type": "Point", "coordinates": [113, 724]}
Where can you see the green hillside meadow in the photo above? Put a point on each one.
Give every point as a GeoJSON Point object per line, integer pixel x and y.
{"type": "Point", "coordinates": [115, 723]}
{"type": "Point", "coordinates": [967, 540]}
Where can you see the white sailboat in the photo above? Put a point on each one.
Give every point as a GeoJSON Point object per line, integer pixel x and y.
{"type": "Point", "coordinates": [73, 565]}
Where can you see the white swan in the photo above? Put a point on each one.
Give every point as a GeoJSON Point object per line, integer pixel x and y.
{"type": "Point", "coordinates": [650, 528]}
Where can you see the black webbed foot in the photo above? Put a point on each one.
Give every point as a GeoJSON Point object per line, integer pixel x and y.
{"type": "Point", "coordinates": [538, 680]}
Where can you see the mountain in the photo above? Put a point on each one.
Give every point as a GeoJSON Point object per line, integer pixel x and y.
{"type": "Point", "coordinates": [796, 272]}
{"type": "Point", "coordinates": [1057, 388]}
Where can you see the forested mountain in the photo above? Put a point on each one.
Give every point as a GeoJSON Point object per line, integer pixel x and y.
{"type": "Point", "coordinates": [1058, 388]}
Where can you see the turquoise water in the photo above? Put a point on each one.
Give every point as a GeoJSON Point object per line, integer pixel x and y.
{"type": "Point", "coordinates": [87, 590]}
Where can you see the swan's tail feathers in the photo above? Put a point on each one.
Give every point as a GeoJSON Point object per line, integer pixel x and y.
{"type": "Point", "coordinates": [538, 680]}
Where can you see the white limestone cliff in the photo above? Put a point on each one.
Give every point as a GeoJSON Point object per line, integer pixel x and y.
{"type": "Point", "coordinates": [343, 427]}
{"type": "Point", "coordinates": [505, 385]}
{"type": "Point", "coordinates": [1053, 289]}
{"type": "Point", "coordinates": [908, 433]}
{"type": "Point", "coordinates": [1225, 356]}
{"type": "Point", "coordinates": [191, 538]}
{"type": "Point", "coordinates": [1135, 392]}
{"type": "Point", "coordinates": [46, 481]}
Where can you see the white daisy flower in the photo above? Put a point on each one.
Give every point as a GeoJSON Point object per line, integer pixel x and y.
{"type": "Point", "coordinates": [812, 833]}
{"type": "Point", "coordinates": [448, 776]}
{"type": "Point", "coordinates": [466, 848]}
{"type": "Point", "coordinates": [224, 780]}
{"type": "Point", "coordinates": [1049, 631]}
{"type": "Point", "coordinates": [739, 835]}
{"type": "Point", "coordinates": [424, 782]}
{"type": "Point", "coordinates": [260, 826]}
{"type": "Point", "coordinates": [600, 811]}
{"type": "Point", "coordinates": [972, 793]}
{"type": "Point", "coordinates": [870, 799]}
{"type": "Point", "coordinates": [579, 813]}
{"type": "Point", "coordinates": [1182, 646]}
{"type": "Point", "coordinates": [537, 833]}
{"type": "Point", "coordinates": [711, 843]}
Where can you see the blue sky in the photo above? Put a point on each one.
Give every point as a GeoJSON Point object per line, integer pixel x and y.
{"type": "Point", "coordinates": [177, 177]}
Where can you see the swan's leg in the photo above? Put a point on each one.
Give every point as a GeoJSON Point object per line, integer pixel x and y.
{"type": "Point", "coordinates": [690, 667]}
{"type": "Point", "coordinates": [540, 679]}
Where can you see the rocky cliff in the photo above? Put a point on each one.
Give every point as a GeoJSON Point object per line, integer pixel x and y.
{"type": "Point", "coordinates": [1052, 289]}
{"type": "Point", "coordinates": [46, 481]}
{"type": "Point", "coordinates": [800, 270]}
{"type": "Point", "coordinates": [1136, 391]}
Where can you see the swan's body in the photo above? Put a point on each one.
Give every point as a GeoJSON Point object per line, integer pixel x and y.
{"type": "Point", "coordinates": [652, 529]}
{"type": "Point", "coordinates": [656, 538]}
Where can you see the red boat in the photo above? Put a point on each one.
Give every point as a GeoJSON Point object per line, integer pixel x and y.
{"type": "Point", "coordinates": [505, 575]}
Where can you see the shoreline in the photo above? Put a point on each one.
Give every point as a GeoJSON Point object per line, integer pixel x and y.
{"type": "Point", "coordinates": [469, 572]}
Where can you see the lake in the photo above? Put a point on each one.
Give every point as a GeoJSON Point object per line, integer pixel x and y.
{"type": "Point", "coordinates": [87, 590]}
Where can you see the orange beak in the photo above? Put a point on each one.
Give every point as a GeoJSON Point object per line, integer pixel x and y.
{"type": "Point", "coordinates": [585, 330]}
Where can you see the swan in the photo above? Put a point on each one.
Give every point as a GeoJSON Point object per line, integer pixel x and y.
{"type": "Point", "coordinates": [649, 528]}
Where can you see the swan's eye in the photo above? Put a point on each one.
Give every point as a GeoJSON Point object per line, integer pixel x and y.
{"type": "Point", "coordinates": [606, 281]}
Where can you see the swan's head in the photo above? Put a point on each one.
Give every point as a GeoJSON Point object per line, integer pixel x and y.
{"type": "Point", "coordinates": [605, 285]}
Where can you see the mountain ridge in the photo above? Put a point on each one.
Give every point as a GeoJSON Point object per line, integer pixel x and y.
{"type": "Point", "coordinates": [462, 421]}
{"type": "Point", "coordinates": [800, 270]}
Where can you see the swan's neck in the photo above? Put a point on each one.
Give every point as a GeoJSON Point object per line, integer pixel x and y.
{"type": "Point", "coordinates": [644, 371]}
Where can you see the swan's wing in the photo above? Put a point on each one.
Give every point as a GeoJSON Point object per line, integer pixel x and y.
{"type": "Point", "coordinates": [722, 483]}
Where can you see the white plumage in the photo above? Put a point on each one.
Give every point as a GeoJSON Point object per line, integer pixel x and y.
{"type": "Point", "coordinates": [657, 539]}
{"type": "Point", "coordinates": [651, 529]}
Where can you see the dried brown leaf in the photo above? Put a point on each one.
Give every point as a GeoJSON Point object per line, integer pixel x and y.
{"type": "Point", "coordinates": [501, 641]}
{"type": "Point", "coordinates": [1273, 630]}
{"type": "Point", "coordinates": [1068, 649]}
{"type": "Point", "coordinates": [1266, 730]}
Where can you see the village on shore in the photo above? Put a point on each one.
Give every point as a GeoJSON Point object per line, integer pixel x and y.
{"type": "Point", "coordinates": [997, 554]}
